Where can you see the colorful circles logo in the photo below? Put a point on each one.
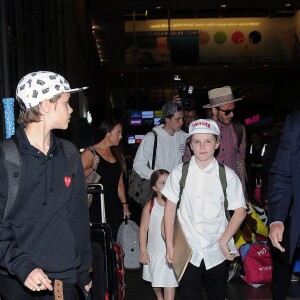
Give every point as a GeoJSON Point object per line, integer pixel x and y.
{"type": "Point", "coordinates": [220, 37]}
{"type": "Point", "coordinates": [203, 37]}
{"type": "Point", "coordinates": [255, 36]}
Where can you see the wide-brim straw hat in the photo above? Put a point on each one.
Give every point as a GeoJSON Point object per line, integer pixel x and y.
{"type": "Point", "coordinates": [220, 96]}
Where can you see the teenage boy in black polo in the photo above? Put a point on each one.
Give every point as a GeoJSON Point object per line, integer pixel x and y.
{"type": "Point", "coordinates": [44, 238]}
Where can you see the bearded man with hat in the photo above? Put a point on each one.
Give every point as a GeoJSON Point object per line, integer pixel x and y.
{"type": "Point", "coordinates": [232, 150]}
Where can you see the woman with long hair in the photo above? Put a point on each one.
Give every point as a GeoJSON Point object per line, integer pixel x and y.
{"type": "Point", "coordinates": [109, 163]}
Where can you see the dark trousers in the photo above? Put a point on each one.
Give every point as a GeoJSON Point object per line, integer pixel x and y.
{"type": "Point", "coordinates": [98, 288]}
{"type": "Point", "coordinates": [282, 269]}
{"type": "Point", "coordinates": [213, 279]}
{"type": "Point", "coordinates": [13, 289]}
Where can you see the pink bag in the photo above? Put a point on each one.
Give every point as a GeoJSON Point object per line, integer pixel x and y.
{"type": "Point", "coordinates": [257, 263]}
{"type": "Point", "coordinates": [257, 192]}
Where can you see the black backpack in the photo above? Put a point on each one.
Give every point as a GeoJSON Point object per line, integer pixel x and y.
{"type": "Point", "coordinates": [13, 164]}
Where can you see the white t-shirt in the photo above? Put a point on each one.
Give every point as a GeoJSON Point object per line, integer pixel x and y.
{"type": "Point", "coordinates": [169, 152]}
{"type": "Point", "coordinates": [201, 211]}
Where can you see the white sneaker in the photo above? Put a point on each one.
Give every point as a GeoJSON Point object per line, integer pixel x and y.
{"type": "Point", "coordinates": [294, 278]}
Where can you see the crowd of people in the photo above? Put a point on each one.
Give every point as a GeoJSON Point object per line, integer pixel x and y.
{"type": "Point", "coordinates": [50, 210]}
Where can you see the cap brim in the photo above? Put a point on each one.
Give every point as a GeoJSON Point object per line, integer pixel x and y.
{"type": "Point", "coordinates": [187, 135]}
{"type": "Point", "coordinates": [77, 90]}
{"type": "Point", "coordinates": [220, 104]}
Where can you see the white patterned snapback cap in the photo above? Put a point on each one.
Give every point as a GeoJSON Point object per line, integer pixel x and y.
{"type": "Point", "coordinates": [38, 86]}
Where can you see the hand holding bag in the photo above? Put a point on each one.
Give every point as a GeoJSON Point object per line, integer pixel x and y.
{"type": "Point", "coordinates": [93, 177]}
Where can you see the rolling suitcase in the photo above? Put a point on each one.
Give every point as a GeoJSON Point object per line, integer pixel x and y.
{"type": "Point", "coordinates": [108, 266]}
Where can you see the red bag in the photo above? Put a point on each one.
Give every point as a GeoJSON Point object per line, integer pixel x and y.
{"type": "Point", "coordinates": [121, 286]}
{"type": "Point", "coordinates": [257, 263]}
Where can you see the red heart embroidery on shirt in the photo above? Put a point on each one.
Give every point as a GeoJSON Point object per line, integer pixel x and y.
{"type": "Point", "coordinates": [67, 180]}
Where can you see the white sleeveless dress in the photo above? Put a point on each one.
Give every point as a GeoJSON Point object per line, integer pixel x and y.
{"type": "Point", "coordinates": [159, 272]}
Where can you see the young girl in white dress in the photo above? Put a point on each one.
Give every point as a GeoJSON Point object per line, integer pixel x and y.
{"type": "Point", "coordinates": [156, 269]}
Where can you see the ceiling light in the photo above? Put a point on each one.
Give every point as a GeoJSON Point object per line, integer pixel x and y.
{"type": "Point", "coordinates": [158, 7]}
{"type": "Point", "coordinates": [223, 5]}
{"type": "Point", "coordinates": [287, 4]}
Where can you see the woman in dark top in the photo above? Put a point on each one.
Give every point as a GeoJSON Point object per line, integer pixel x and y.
{"type": "Point", "coordinates": [111, 165]}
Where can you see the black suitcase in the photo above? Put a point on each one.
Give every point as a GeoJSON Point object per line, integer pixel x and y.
{"type": "Point", "coordinates": [105, 267]}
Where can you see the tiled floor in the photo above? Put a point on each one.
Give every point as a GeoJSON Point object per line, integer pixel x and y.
{"type": "Point", "coordinates": [137, 289]}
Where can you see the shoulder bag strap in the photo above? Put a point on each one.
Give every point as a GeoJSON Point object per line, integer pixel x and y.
{"type": "Point", "coordinates": [93, 150]}
{"type": "Point", "coordinates": [12, 164]}
{"type": "Point", "coordinates": [151, 205]}
{"type": "Point", "coordinates": [222, 174]}
{"type": "Point", "coordinates": [94, 154]}
{"type": "Point", "coordinates": [184, 172]}
{"type": "Point", "coordinates": [154, 149]}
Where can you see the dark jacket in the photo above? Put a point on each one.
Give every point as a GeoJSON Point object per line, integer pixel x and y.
{"type": "Point", "coordinates": [284, 180]}
{"type": "Point", "coordinates": [48, 226]}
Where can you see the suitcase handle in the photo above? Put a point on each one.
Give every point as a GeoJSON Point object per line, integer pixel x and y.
{"type": "Point", "coordinates": [97, 188]}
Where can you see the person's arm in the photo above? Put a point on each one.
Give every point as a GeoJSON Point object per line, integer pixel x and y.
{"type": "Point", "coordinates": [169, 217]}
{"type": "Point", "coordinates": [89, 161]}
{"type": "Point", "coordinates": [12, 259]}
{"type": "Point", "coordinates": [280, 184]}
{"type": "Point", "coordinates": [79, 225]}
{"type": "Point", "coordinates": [276, 235]}
{"type": "Point", "coordinates": [144, 156]}
{"type": "Point", "coordinates": [144, 226]}
{"type": "Point", "coordinates": [122, 197]}
{"type": "Point", "coordinates": [237, 204]}
{"type": "Point", "coordinates": [234, 224]}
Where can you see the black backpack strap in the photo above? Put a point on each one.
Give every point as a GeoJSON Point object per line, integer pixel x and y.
{"type": "Point", "coordinates": [184, 172]}
{"type": "Point", "coordinates": [222, 174]}
{"type": "Point", "coordinates": [72, 154]}
{"type": "Point", "coordinates": [154, 149]}
{"type": "Point", "coordinates": [12, 164]}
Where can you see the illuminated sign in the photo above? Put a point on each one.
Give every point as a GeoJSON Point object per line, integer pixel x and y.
{"type": "Point", "coordinates": [252, 120]}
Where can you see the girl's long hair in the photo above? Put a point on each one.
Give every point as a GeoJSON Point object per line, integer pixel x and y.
{"type": "Point", "coordinates": [106, 126]}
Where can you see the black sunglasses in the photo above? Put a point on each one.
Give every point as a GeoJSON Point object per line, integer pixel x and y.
{"type": "Point", "coordinates": [226, 112]}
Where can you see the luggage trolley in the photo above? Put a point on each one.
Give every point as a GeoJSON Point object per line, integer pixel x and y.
{"type": "Point", "coordinates": [108, 256]}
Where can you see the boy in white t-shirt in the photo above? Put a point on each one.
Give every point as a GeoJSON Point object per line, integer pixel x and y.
{"type": "Point", "coordinates": [202, 214]}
